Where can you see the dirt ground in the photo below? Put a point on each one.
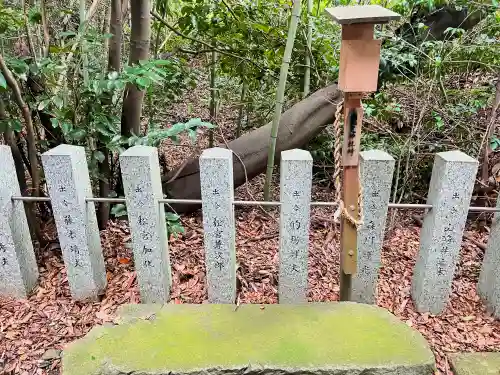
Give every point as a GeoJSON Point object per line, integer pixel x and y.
{"type": "Point", "coordinates": [50, 318]}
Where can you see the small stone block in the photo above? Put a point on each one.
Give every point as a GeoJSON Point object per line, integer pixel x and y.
{"type": "Point", "coordinates": [475, 363]}
{"type": "Point", "coordinates": [68, 183]}
{"type": "Point", "coordinates": [142, 184]}
{"type": "Point", "coordinates": [376, 170]}
{"type": "Point", "coordinates": [348, 15]}
{"type": "Point", "coordinates": [18, 268]}
{"type": "Point", "coordinates": [452, 181]}
{"type": "Point", "coordinates": [489, 279]}
{"type": "Point", "coordinates": [295, 197]}
{"type": "Point", "coordinates": [217, 193]}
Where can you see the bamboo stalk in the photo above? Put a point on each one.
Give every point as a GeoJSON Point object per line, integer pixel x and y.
{"type": "Point", "coordinates": [307, 70]}
{"type": "Point", "coordinates": [213, 93]}
{"type": "Point", "coordinates": [280, 95]}
{"type": "Point", "coordinates": [85, 61]}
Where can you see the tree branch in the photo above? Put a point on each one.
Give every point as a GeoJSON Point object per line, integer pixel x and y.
{"type": "Point", "coordinates": [45, 27]}
{"type": "Point", "coordinates": [28, 31]}
{"type": "Point", "coordinates": [78, 38]}
{"type": "Point", "coordinates": [12, 83]}
{"type": "Point", "coordinates": [230, 10]}
{"type": "Point", "coordinates": [208, 45]}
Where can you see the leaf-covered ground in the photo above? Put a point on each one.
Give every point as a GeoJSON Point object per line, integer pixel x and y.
{"type": "Point", "coordinates": [49, 319]}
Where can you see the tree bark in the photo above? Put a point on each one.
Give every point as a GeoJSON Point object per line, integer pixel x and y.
{"type": "Point", "coordinates": [30, 138]}
{"type": "Point", "coordinates": [115, 43]}
{"type": "Point", "coordinates": [106, 25]}
{"type": "Point", "coordinates": [298, 125]}
{"type": "Point", "coordinates": [139, 50]}
{"type": "Point", "coordinates": [241, 109]}
{"type": "Point", "coordinates": [490, 130]}
{"type": "Point", "coordinates": [10, 140]}
{"type": "Point", "coordinates": [114, 64]}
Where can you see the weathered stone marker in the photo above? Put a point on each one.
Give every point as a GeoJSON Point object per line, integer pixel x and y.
{"type": "Point", "coordinates": [452, 181]}
{"type": "Point", "coordinates": [489, 278]}
{"type": "Point", "coordinates": [142, 184]}
{"type": "Point", "coordinates": [68, 183]}
{"type": "Point", "coordinates": [18, 269]}
{"type": "Point", "coordinates": [295, 197]}
{"type": "Point", "coordinates": [217, 192]}
{"type": "Point", "coordinates": [376, 169]}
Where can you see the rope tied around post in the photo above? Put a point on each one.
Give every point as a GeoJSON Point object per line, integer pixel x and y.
{"type": "Point", "coordinates": [337, 155]}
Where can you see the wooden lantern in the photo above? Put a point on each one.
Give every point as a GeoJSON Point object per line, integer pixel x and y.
{"type": "Point", "coordinates": [358, 74]}
{"type": "Point", "coordinates": [359, 52]}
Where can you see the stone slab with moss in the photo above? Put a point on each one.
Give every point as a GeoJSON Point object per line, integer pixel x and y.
{"type": "Point", "coordinates": [475, 363]}
{"type": "Point", "coordinates": [325, 338]}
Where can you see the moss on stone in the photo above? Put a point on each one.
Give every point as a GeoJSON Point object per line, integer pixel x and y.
{"type": "Point", "coordinates": [475, 363]}
{"type": "Point", "coordinates": [186, 338]}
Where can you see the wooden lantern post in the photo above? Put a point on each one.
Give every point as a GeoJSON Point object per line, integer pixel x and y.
{"type": "Point", "coordinates": [358, 74]}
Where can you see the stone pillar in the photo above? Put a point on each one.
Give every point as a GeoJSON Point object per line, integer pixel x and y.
{"type": "Point", "coordinates": [295, 197]}
{"type": "Point", "coordinates": [489, 278]}
{"type": "Point", "coordinates": [142, 184]}
{"type": "Point", "coordinates": [18, 268]}
{"type": "Point", "coordinates": [217, 193]}
{"type": "Point", "coordinates": [376, 172]}
{"type": "Point", "coordinates": [451, 185]}
{"type": "Point", "coordinates": [69, 185]}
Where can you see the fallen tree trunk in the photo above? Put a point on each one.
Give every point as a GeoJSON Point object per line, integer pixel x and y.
{"type": "Point", "coordinates": [298, 125]}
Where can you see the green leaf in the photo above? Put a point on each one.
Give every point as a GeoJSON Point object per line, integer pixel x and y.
{"type": "Point", "coordinates": [15, 125]}
{"type": "Point", "coordinates": [42, 105]}
{"type": "Point", "coordinates": [66, 127]}
{"type": "Point", "coordinates": [143, 82]}
{"type": "Point", "coordinates": [58, 101]}
{"type": "Point", "coordinates": [99, 155]}
{"type": "Point", "coordinates": [113, 75]}
{"type": "Point", "coordinates": [495, 143]}
{"type": "Point", "coordinates": [177, 128]}
{"type": "Point", "coordinates": [65, 34]}
{"type": "Point", "coordinates": [171, 216]}
{"type": "Point", "coordinates": [162, 62]}
{"type": "Point", "coordinates": [54, 122]}
{"type": "Point", "coordinates": [120, 84]}
{"type": "Point", "coordinates": [3, 82]}
{"type": "Point", "coordinates": [78, 134]}
{"type": "Point", "coordinates": [116, 138]}
{"type": "Point", "coordinates": [119, 210]}
{"type": "Point", "coordinates": [35, 16]}
{"type": "Point", "coordinates": [57, 49]}
{"type": "Point", "coordinates": [192, 134]}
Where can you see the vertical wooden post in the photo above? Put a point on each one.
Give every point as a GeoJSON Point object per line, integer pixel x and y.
{"type": "Point", "coordinates": [358, 74]}
{"type": "Point", "coordinates": [353, 119]}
